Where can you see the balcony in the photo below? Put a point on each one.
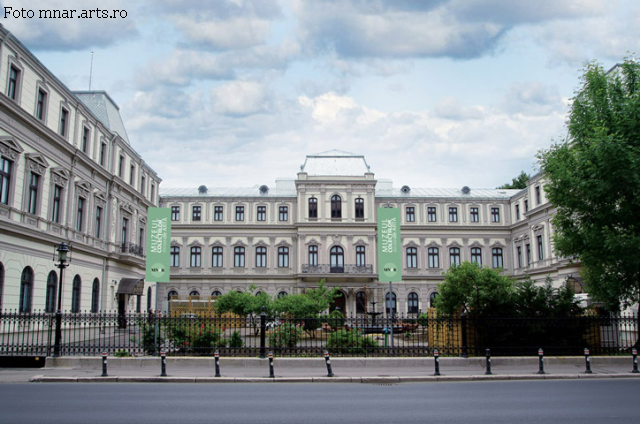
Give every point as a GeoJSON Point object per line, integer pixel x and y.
{"type": "Point", "coordinates": [332, 269]}
{"type": "Point", "coordinates": [132, 249]}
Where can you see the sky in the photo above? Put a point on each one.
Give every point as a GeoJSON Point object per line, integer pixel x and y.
{"type": "Point", "coordinates": [235, 93]}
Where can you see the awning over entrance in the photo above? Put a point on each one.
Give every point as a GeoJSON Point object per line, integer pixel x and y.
{"type": "Point", "coordinates": [133, 286]}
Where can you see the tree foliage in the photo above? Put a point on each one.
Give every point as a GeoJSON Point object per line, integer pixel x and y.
{"type": "Point", "coordinates": [519, 183]}
{"type": "Point", "coordinates": [244, 303]}
{"type": "Point", "coordinates": [593, 179]}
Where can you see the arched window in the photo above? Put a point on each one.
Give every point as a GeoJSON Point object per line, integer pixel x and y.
{"type": "Point", "coordinates": [171, 294]}
{"type": "Point", "coordinates": [432, 299]}
{"type": "Point", "coordinates": [454, 256]}
{"type": "Point", "coordinates": [282, 294]}
{"type": "Point", "coordinates": [361, 302]}
{"type": "Point", "coordinates": [196, 257]}
{"type": "Point", "coordinates": [95, 296]}
{"type": "Point", "coordinates": [412, 303]}
{"type": "Point", "coordinates": [412, 257]}
{"type": "Point", "coordinates": [313, 255]}
{"type": "Point", "coordinates": [313, 207]}
{"type": "Point", "coordinates": [261, 257]}
{"type": "Point", "coordinates": [149, 295]}
{"type": "Point", "coordinates": [1, 283]}
{"type": "Point", "coordinates": [391, 303]}
{"type": "Point", "coordinates": [216, 257]}
{"type": "Point", "coordinates": [336, 206]}
{"type": "Point", "coordinates": [76, 291]}
{"type": "Point", "coordinates": [26, 290]}
{"type": "Point", "coordinates": [194, 293]}
{"type": "Point", "coordinates": [238, 257]}
{"type": "Point", "coordinates": [216, 293]}
{"type": "Point", "coordinates": [337, 258]}
{"type": "Point", "coordinates": [283, 257]}
{"type": "Point", "coordinates": [50, 299]}
{"type": "Point", "coordinates": [175, 256]}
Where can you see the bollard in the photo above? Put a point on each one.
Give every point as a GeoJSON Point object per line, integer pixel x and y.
{"type": "Point", "coordinates": [104, 365]}
{"type": "Point", "coordinates": [271, 374]}
{"type": "Point", "coordinates": [163, 363]}
{"type": "Point", "coordinates": [540, 361]}
{"type": "Point", "coordinates": [634, 352]}
{"type": "Point", "coordinates": [587, 361]}
{"type": "Point", "coordinates": [488, 372]}
{"type": "Point", "coordinates": [436, 357]}
{"type": "Point", "coordinates": [328, 361]}
{"type": "Point", "coordinates": [217, 356]}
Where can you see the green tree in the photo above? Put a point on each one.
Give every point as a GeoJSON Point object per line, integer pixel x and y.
{"type": "Point", "coordinates": [307, 305]}
{"type": "Point", "coordinates": [593, 179]}
{"type": "Point", "coordinates": [244, 303]}
{"type": "Point", "coordinates": [518, 183]}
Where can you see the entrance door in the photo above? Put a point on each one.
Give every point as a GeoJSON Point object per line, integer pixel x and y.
{"type": "Point", "coordinates": [122, 310]}
{"type": "Point", "coordinates": [339, 303]}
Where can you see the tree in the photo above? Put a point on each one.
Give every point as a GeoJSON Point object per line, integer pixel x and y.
{"type": "Point", "coordinates": [518, 183]}
{"type": "Point", "coordinates": [307, 305]}
{"type": "Point", "coordinates": [593, 179]}
{"type": "Point", "coordinates": [244, 303]}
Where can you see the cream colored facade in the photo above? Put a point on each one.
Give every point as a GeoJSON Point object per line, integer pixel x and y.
{"type": "Point", "coordinates": [68, 174]}
{"type": "Point", "coordinates": [439, 227]}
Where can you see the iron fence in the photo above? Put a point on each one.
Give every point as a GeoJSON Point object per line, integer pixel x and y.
{"type": "Point", "coordinates": [90, 334]}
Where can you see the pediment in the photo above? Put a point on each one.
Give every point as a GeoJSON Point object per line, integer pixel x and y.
{"type": "Point", "coordinates": [10, 148]}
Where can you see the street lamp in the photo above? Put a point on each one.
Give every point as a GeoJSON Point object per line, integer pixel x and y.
{"type": "Point", "coordinates": [62, 251]}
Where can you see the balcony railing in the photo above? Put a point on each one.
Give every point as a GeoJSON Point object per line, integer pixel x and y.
{"type": "Point", "coordinates": [334, 269]}
{"type": "Point", "coordinates": [132, 249]}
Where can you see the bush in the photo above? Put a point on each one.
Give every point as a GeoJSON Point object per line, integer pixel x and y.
{"type": "Point", "coordinates": [285, 335]}
{"type": "Point", "coordinates": [201, 337]}
{"type": "Point", "coordinates": [235, 340]}
{"type": "Point", "coordinates": [335, 319]}
{"type": "Point", "coordinates": [349, 341]}
{"type": "Point", "coordinates": [423, 319]}
{"type": "Point", "coordinates": [122, 353]}
{"type": "Point", "coordinates": [148, 338]}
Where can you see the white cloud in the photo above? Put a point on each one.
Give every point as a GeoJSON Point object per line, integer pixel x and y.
{"type": "Point", "coordinates": [240, 98]}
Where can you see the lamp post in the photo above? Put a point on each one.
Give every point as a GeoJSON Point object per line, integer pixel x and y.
{"type": "Point", "coordinates": [62, 252]}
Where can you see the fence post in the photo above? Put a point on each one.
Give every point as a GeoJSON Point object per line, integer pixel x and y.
{"type": "Point", "coordinates": [263, 333]}
{"type": "Point", "coordinates": [328, 361]}
{"type": "Point", "coordinates": [271, 373]}
{"type": "Point", "coordinates": [436, 357]}
{"type": "Point", "coordinates": [217, 356]}
{"type": "Point", "coordinates": [587, 361]}
{"type": "Point", "coordinates": [488, 372]}
{"type": "Point", "coordinates": [540, 361]}
{"type": "Point", "coordinates": [163, 363]}
{"type": "Point", "coordinates": [463, 325]}
{"type": "Point", "coordinates": [104, 364]}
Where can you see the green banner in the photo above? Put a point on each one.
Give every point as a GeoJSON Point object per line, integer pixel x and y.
{"type": "Point", "coordinates": [158, 243]}
{"type": "Point", "coordinates": [389, 245]}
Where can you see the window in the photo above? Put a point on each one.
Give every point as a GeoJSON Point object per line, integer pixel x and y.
{"type": "Point", "coordinates": [360, 256]}
{"type": "Point", "coordinates": [517, 212]}
{"type": "Point", "coordinates": [361, 302]}
{"type": "Point", "coordinates": [149, 297]}
{"type": "Point", "coordinates": [121, 166]}
{"type": "Point", "coordinates": [453, 214]}
{"type": "Point", "coordinates": [476, 256]}
{"type": "Point", "coordinates": [55, 206]}
{"type": "Point", "coordinates": [239, 213]}
{"type": "Point", "coordinates": [41, 105]}
{"type": "Point", "coordinates": [153, 193]}
{"type": "Point", "coordinates": [64, 122]}
{"type": "Point", "coordinates": [496, 253]}
{"type": "Point", "coordinates": [313, 207]}
{"type": "Point", "coordinates": [412, 303]}
{"type": "Point", "coordinates": [217, 213]}
{"type": "Point", "coordinates": [313, 255]}
{"type": "Point", "coordinates": [238, 257]}
{"type": "Point", "coordinates": [175, 256]}
{"type": "Point", "coordinates": [336, 255]}
{"type": "Point", "coordinates": [282, 294]}
{"type": "Point", "coordinates": [538, 196]}
{"type": "Point", "coordinates": [526, 206]}
{"type": "Point", "coordinates": [336, 206]}
{"type": "Point", "coordinates": [434, 257]}
{"type": "Point", "coordinates": [262, 213]}
{"type": "Point", "coordinates": [95, 296]}
{"type": "Point", "coordinates": [143, 183]}
{"type": "Point", "coordinates": [390, 303]}
{"type": "Point", "coordinates": [216, 293]}
{"type": "Point", "coordinates": [410, 214]}
{"type": "Point", "coordinates": [196, 213]}
{"type": "Point", "coordinates": [98, 223]}
{"type": "Point", "coordinates": [141, 238]}
{"type": "Point", "coordinates": [454, 256]}
{"type": "Point", "coordinates": [283, 257]}
{"type": "Point", "coordinates": [283, 215]}
{"type": "Point", "coordinates": [103, 153]}
{"type": "Point", "coordinates": [14, 83]}
{"type": "Point", "coordinates": [132, 173]}
{"type": "Point", "coordinates": [194, 293]}
{"type": "Point", "coordinates": [1, 283]}
{"type": "Point", "coordinates": [175, 213]}
{"type": "Point", "coordinates": [32, 207]}
{"type": "Point", "coordinates": [76, 291]}
{"type": "Point", "coordinates": [528, 249]}
{"type": "Point", "coordinates": [196, 257]}
{"type": "Point", "coordinates": [216, 257]}
{"type": "Point", "coordinates": [432, 299]}
{"type": "Point", "coordinates": [519, 254]}
{"type": "Point", "coordinates": [431, 214]}
{"type": "Point", "coordinates": [50, 299]}
{"type": "Point", "coordinates": [5, 179]}
{"type": "Point", "coordinates": [80, 213]}
{"type": "Point", "coordinates": [474, 216]}
{"type": "Point", "coordinates": [125, 229]}
{"type": "Point", "coordinates": [495, 214]}
{"type": "Point", "coordinates": [540, 248]}
{"type": "Point", "coordinates": [26, 290]}
{"type": "Point", "coordinates": [412, 257]}
{"type": "Point", "coordinates": [261, 257]}
{"type": "Point", "coordinates": [85, 139]}
{"type": "Point", "coordinates": [359, 208]}
{"type": "Point", "coordinates": [139, 303]}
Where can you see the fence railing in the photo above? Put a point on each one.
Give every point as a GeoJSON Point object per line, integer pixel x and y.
{"type": "Point", "coordinates": [90, 334]}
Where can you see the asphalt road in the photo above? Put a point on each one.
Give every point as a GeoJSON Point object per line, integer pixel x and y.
{"type": "Point", "coordinates": [520, 402]}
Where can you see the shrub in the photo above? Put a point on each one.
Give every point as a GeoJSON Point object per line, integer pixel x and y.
{"type": "Point", "coordinates": [149, 337]}
{"type": "Point", "coordinates": [201, 337]}
{"type": "Point", "coordinates": [285, 335]}
{"type": "Point", "coordinates": [349, 341]}
{"type": "Point", "coordinates": [236, 340]}
{"type": "Point", "coordinates": [122, 353]}
{"type": "Point", "coordinates": [423, 319]}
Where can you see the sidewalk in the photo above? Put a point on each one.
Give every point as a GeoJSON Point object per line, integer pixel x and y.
{"type": "Point", "coordinates": [349, 370]}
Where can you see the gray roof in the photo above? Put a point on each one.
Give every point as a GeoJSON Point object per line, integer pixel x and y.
{"type": "Point", "coordinates": [384, 188]}
{"type": "Point", "coordinates": [105, 109]}
{"type": "Point", "coordinates": [335, 163]}
{"type": "Point", "coordinates": [283, 188]}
